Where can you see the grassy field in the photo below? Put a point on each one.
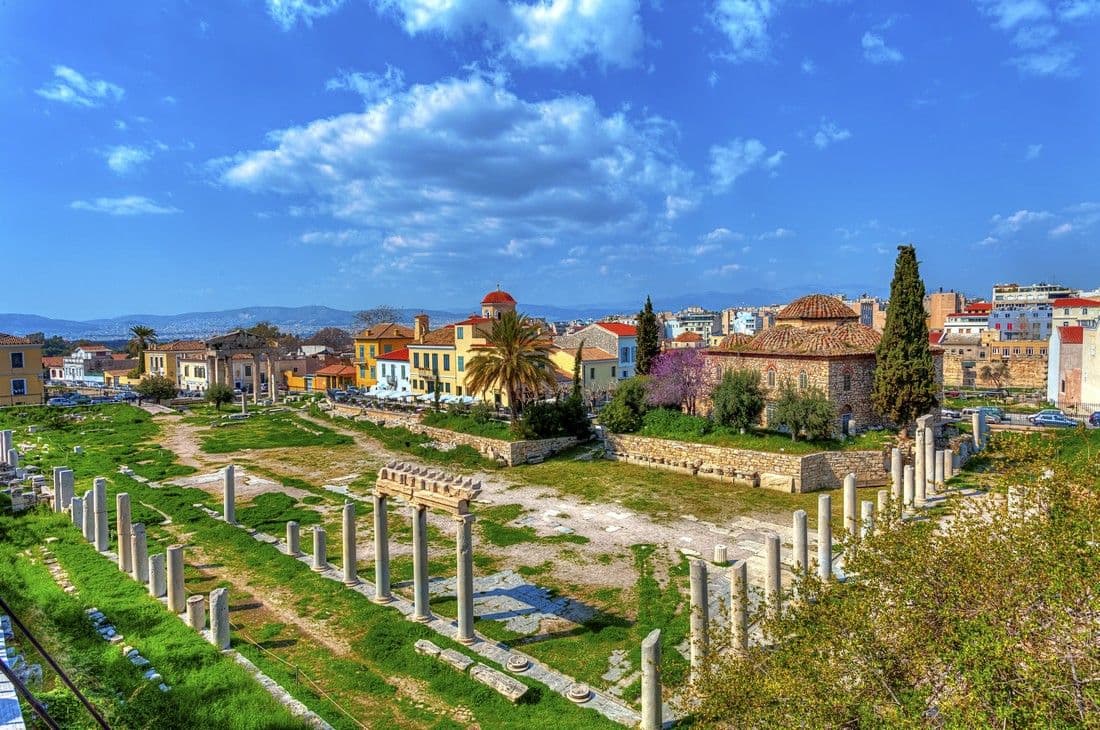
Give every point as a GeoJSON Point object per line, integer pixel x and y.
{"type": "Point", "coordinates": [264, 430]}
{"type": "Point", "coordinates": [465, 424]}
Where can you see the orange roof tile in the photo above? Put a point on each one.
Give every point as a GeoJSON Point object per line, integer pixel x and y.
{"type": "Point", "coordinates": [816, 306]}
{"type": "Point", "coordinates": [1071, 335]}
{"type": "Point", "coordinates": [1076, 302]}
{"type": "Point", "coordinates": [386, 330]}
{"type": "Point", "coordinates": [13, 340]}
{"type": "Point", "coordinates": [688, 337]}
{"type": "Point", "coordinates": [51, 361]}
{"type": "Point", "coordinates": [619, 328]}
{"type": "Point", "coordinates": [337, 370]}
{"type": "Point", "coordinates": [498, 297]}
{"type": "Point", "coordinates": [850, 338]}
{"type": "Point", "coordinates": [396, 355]}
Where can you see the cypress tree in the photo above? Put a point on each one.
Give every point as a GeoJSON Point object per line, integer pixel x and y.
{"type": "Point", "coordinates": [905, 382]}
{"type": "Point", "coordinates": [577, 371]}
{"type": "Point", "coordinates": [649, 339]}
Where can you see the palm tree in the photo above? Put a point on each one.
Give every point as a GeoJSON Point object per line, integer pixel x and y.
{"type": "Point", "coordinates": [142, 337]}
{"type": "Point", "coordinates": [515, 359]}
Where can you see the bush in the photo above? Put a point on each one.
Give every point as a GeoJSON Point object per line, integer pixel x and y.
{"type": "Point", "coordinates": [219, 394]}
{"type": "Point", "coordinates": [810, 412]}
{"type": "Point", "coordinates": [558, 418]}
{"type": "Point", "coordinates": [481, 412]}
{"type": "Point", "coordinates": [156, 387]}
{"type": "Point", "coordinates": [738, 400]}
{"type": "Point", "coordinates": [668, 423]}
{"type": "Point", "coordinates": [627, 407]}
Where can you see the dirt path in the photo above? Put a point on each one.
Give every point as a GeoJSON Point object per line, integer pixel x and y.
{"type": "Point", "coordinates": [183, 439]}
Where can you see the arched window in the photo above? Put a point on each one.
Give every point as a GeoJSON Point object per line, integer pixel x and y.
{"type": "Point", "coordinates": [771, 378]}
{"type": "Point", "coordinates": [803, 381]}
{"type": "Point", "coordinates": [847, 381]}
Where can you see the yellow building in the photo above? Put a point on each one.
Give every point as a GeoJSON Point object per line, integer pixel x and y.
{"type": "Point", "coordinates": [381, 339]}
{"type": "Point", "coordinates": [599, 368]}
{"type": "Point", "coordinates": [164, 359]}
{"type": "Point", "coordinates": [20, 371]}
{"type": "Point", "coordinates": [433, 361]}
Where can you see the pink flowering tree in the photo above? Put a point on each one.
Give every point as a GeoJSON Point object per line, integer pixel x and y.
{"type": "Point", "coordinates": [678, 379]}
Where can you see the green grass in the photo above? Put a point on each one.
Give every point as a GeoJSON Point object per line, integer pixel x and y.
{"type": "Point", "coordinates": [268, 431]}
{"type": "Point", "coordinates": [269, 512]}
{"type": "Point", "coordinates": [464, 423]}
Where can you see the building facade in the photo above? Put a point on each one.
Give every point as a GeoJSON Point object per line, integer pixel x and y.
{"type": "Point", "coordinates": [393, 372]}
{"type": "Point", "coordinates": [164, 358]}
{"type": "Point", "coordinates": [939, 304]}
{"type": "Point", "coordinates": [20, 371]}
{"type": "Point", "coordinates": [377, 340]}
{"type": "Point", "coordinates": [1075, 311]}
{"type": "Point", "coordinates": [615, 337]}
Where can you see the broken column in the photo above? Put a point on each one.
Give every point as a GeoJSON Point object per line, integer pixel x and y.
{"type": "Point", "coordinates": [800, 540]}
{"type": "Point", "coordinates": [88, 525]}
{"type": "Point", "coordinates": [219, 617]}
{"type": "Point", "coordinates": [851, 508]}
{"type": "Point", "coordinates": [721, 555]}
{"type": "Point", "coordinates": [68, 482]}
{"type": "Point", "coordinates": [421, 611]}
{"type": "Point", "coordinates": [652, 718]}
{"type": "Point", "coordinates": [5, 445]}
{"type": "Point", "coordinates": [320, 550]}
{"type": "Point", "coordinates": [351, 573]}
{"type": "Point", "coordinates": [772, 583]}
{"type": "Point", "coordinates": [76, 511]}
{"type": "Point", "coordinates": [139, 554]}
{"type": "Point", "coordinates": [976, 426]}
{"type": "Point", "coordinates": [122, 531]}
{"type": "Point", "coordinates": [464, 582]}
{"type": "Point", "coordinates": [948, 465]}
{"type": "Point", "coordinates": [293, 546]}
{"type": "Point", "coordinates": [867, 517]}
{"type": "Point", "coordinates": [157, 581]}
{"type": "Point", "coordinates": [883, 504]}
{"type": "Point", "coordinates": [700, 612]}
{"type": "Point", "coordinates": [929, 451]}
{"type": "Point", "coordinates": [918, 467]}
{"type": "Point", "coordinates": [939, 468]}
{"type": "Point", "coordinates": [381, 551]}
{"type": "Point", "coordinates": [739, 605]}
{"type": "Point", "coordinates": [99, 499]}
{"type": "Point", "coordinates": [229, 494]}
{"type": "Point", "coordinates": [896, 466]}
{"type": "Point", "coordinates": [824, 536]}
{"type": "Point", "coordinates": [13, 458]}
{"type": "Point", "coordinates": [196, 613]}
{"type": "Point", "coordinates": [910, 487]}
{"type": "Point", "coordinates": [177, 596]}
{"type": "Point", "coordinates": [57, 507]}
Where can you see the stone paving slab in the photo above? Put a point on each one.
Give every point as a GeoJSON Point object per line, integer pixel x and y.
{"type": "Point", "coordinates": [11, 717]}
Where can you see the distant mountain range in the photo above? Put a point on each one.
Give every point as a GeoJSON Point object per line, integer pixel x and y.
{"type": "Point", "coordinates": [308, 319]}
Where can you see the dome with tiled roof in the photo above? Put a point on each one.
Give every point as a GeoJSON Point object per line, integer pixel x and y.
{"type": "Point", "coordinates": [816, 307]}
{"type": "Point", "coordinates": [498, 297]}
{"type": "Point", "coordinates": [734, 341]}
{"type": "Point", "coordinates": [847, 339]}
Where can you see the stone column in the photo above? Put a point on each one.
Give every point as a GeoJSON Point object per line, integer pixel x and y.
{"type": "Point", "coordinates": [177, 596]}
{"type": "Point", "coordinates": [867, 517]}
{"type": "Point", "coordinates": [255, 380]}
{"type": "Point", "coordinates": [5, 444]}
{"type": "Point", "coordinates": [773, 596]}
{"type": "Point", "coordinates": [948, 465]}
{"type": "Point", "coordinates": [76, 511]}
{"type": "Point", "coordinates": [800, 541]}
{"type": "Point", "coordinates": [381, 551]}
{"type": "Point", "coordinates": [652, 717]}
{"type": "Point", "coordinates": [57, 506]}
{"type": "Point", "coordinates": [739, 606]}
{"type": "Point", "coordinates": [139, 554]}
{"type": "Point", "coordinates": [157, 582]}
{"type": "Point", "coordinates": [824, 536]}
{"type": "Point", "coordinates": [293, 546]}
{"type": "Point", "coordinates": [910, 487]}
{"type": "Point", "coordinates": [99, 498]}
{"type": "Point", "coordinates": [939, 468]}
{"type": "Point", "coordinates": [196, 613]}
{"type": "Point", "coordinates": [930, 453]}
{"type": "Point", "coordinates": [421, 611]}
{"type": "Point", "coordinates": [976, 427]}
{"type": "Point", "coordinates": [272, 386]}
{"type": "Point", "coordinates": [122, 530]}
{"type": "Point", "coordinates": [229, 494]}
{"type": "Point", "coordinates": [918, 467]}
{"type": "Point", "coordinates": [983, 428]}
{"type": "Point", "coordinates": [68, 482]}
{"type": "Point", "coordinates": [320, 550]}
{"type": "Point", "coordinates": [219, 618]}
{"type": "Point", "coordinates": [89, 517]}
{"type": "Point", "coordinates": [883, 502]}
{"type": "Point", "coordinates": [351, 572]}
{"type": "Point", "coordinates": [851, 508]}
{"type": "Point", "coordinates": [721, 555]}
{"type": "Point", "coordinates": [13, 458]}
{"type": "Point", "coordinates": [700, 615]}
{"type": "Point", "coordinates": [464, 582]}
{"type": "Point", "coordinates": [896, 466]}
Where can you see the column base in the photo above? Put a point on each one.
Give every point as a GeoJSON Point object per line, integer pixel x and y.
{"type": "Point", "coordinates": [382, 600]}
{"type": "Point", "coordinates": [352, 582]}
{"type": "Point", "coordinates": [422, 619]}
{"type": "Point", "coordinates": [321, 569]}
{"type": "Point", "coordinates": [466, 642]}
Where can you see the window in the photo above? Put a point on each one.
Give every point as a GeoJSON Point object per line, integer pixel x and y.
{"type": "Point", "coordinates": [361, 350]}
{"type": "Point", "coordinates": [431, 386]}
{"type": "Point", "coordinates": [612, 371]}
{"type": "Point", "coordinates": [447, 387]}
{"type": "Point", "coordinates": [1030, 351]}
{"type": "Point", "coordinates": [372, 351]}
{"type": "Point", "coordinates": [362, 371]}
{"type": "Point", "coordinates": [1067, 314]}
{"type": "Point", "coordinates": [458, 390]}
{"type": "Point", "coordinates": [416, 359]}
{"type": "Point", "coordinates": [803, 381]}
{"type": "Point", "coordinates": [461, 364]}
{"type": "Point", "coordinates": [373, 370]}
{"type": "Point", "coordinates": [592, 373]}
{"type": "Point", "coordinates": [1016, 351]}
{"type": "Point", "coordinates": [435, 363]}
{"type": "Point", "coordinates": [1063, 385]}
{"type": "Point", "coordinates": [458, 333]}
{"type": "Point", "coordinates": [248, 371]}
{"type": "Point", "coordinates": [18, 385]}
{"type": "Point", "coordinates": [16, 361]}
{"type": "Point", "coordinates": [771, 378]}
{"type": "Point", "coordinates": [624, 354]}
{"type": "Point", "coordinates": [446, 362]}
{"type": "Point", "coordinates": [847, 381]}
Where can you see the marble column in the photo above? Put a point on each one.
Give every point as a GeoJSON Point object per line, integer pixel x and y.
{"type": "Point", "coordinates": [158, 584]}
{"type": "Point", "coordinates": [700, 615]}
{"type": "Point", "coordinates": [883, 502]}
{"type": "Point", "coordinates": [122, 531]}
{"type": "Point", "coordinates": [983, 428]}
{"type": "Point", "coordinates": [939, 468]}
{"type": "Point", "coordinates": [381, 551]}
{"type": "Point", "coordinates": [13, 458]}
{"type": "Point", "coordinates": [421, 610]}
{"type": "Point", "coordinates": [177, 595]}
{"type": "Point", "coordinates": [57, 506]}
{"type": "Point", "coordinates": [773, 588]}
{"type": "Point", "coordinates": [99, 499]}
{"type": "Point", "coordinates": [948, 465]}
{"type": "Point", "coordinates": [652, 717]}
{"type": "Point", "coordinates": [739, 605]}
{"type": "Point", "coordinates": [721, 555]}
{"type": "Point", "coordinates": [930, 453]}
{"type": "Point", "coordinates": [196, 613]}
{"type": "Point", "coordinates": [229, 494]}
{"type": "Point", "coordinates": [76, 511]}
{"type": "Point", "coordinates": [68, 483]}
{"type": "Point", "coordinates": [896, 466]}
{"type": "Point", "coordinates": [293, 540]}
{"type": "Point", "coordinates": [272, 386]}
{"type": "Point", "coordinates": [139, 554]}
{"type": "Point", "coordinates": [867, 517]}
{"type": "Point", "coordinates": [255, 381]}
{"type": "Point", "coordinates": [918, 467]}
{"type": "Point", "coordinates": [320, 550]}
{"type": "Point", "coordinates": [800, 541]}
{"type": "Point", "coordinates": [976, 428]}
{"type": "Point", "coordinates": [351, 571]}
{"type": "Point", "coordinates": [851, 507]}
{"type": "Point", "coordinates": [89, 517]}
{"type": "Point", "coordinates": [5, 445]}
{"type": "Point", "coordinates": [910, 487]}
{"type": "Point", "coordinates": [219, 617]}
{"type": "Point", "coordinates": [464, 582]}
{"type": "Point", "coordinates": [824, 536]}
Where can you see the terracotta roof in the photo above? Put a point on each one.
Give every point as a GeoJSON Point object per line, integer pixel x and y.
{"type": "Point", "coordinates": [850, 338]}
{"type": "Point", "coordinates": [475, 319]}
{"type": "Point", "coordinates": [397, 355]}
{"type": "Point", "coordinates": [51, 361]}
{"type": "Point", "coordinates": [442, 336]}
{"type": "Point", "coordinates": [688, 337]}
{"type": "Point", "coordinates": [179, 346]}
{"type": "Point", "coordinates": [934, 337]}
{"type": "Point", "coordinates": [386, 330]}
{"type": "Point", "coordinates": [816, 306]}
{"type": "Point", "coordinates": [498, 297]}
{"type": "Point", "coordinates": [734, 340]}
{"type": "Point", "coordinates": [95, 346]}
{"type": "Point", "coordinates": [119, 356]}
{"type": "Point", "coordinates": [13, 340]}
{"type": "Point", "coordinates": [593, 354]}
{"type": "Point", "coordinates": [337, 370]}
{"type": "Point", "coordinates": [1071, 335]}
{"type": "Point", "coordinates": [1075, 302]}
{"type": "Point", "coordinates": [620, 329]}
{"type": "Point", "coordinates": [978, 308]}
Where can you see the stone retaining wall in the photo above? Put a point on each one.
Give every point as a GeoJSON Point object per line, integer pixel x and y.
{"type": "Point", "coordinates": [779, 471]}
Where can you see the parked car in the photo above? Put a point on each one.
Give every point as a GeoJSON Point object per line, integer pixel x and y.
{"type": "Point", "coordinates": [1058, 420]}
{"type": "Point", "coordinates": [1094, 419]}
{"type": "Point", "coordinates": [993, 414]}
{"type": "Point", "coordinates": [949, 415]}
{"type": "Point", "coordinates": [60, 401]}
{"type": "Point", "coordinates": [1046, 412]}
{"type": "Point", "coordinates": [952, 393]}
{"type": "Point", "coordinates": [80, 399]}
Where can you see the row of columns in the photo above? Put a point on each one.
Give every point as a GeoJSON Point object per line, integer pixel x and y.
{"type": "Point", "coordinates": [220, 368]}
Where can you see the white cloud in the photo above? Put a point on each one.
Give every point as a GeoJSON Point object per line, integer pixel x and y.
{"type": "Point", "coordinates": [722, 234]}
{"type": "Point", "coordinates": [72, 87]}
{"type": "Point", "coordinates": [1034, 36]}
{"type": "Point", "coordinates": [124, 159]}
{"type": "Point", "coordinates": [745, 25]}
{"type": "Point", "coordinates": [288, 13]}
{"type": "Point", "coordinates": [1007, 14]}
{"type": "Point", "coordinates": [1033, 151]}
{"type": "Point", "coordinates": [1060, 230]}
{"type": "Point", "coordinates": [120, 125]}
{"type": "Point", "coordinates": [808, 66]}
{"type": "Point", "coordinates": [828, 132]}
{"type": "Point", "coordinates": [128, 205]}
{"type": "Point", "coordinates": [729, 269]}
{"type": "Point", "coordinates": [988, 241]}
{"type": "Point", "coordinates": [1035, 30]}
{"type": "Point", "coordinates": [1071, 10]}
{"type": "Point", "coordinates": [705, 248]}
{"type": "Point", "coordinates": [347, 237]}
{"type": "Point", "coordinates": [1052, 61]}
{"type": "Point", "coordinates": [875, 49]}
{"type": "Point", "coordinates": [777, 234]}
{"type": "Point", "coordinates": [1012, 223]}
{"type": "Point", "coordinates": [467, 159]}
{"type": "Point", "coordinates": [733, 159]}
{"type": "Point", "coordinates": [555, 33]}
{"type": "Point", "coordinates": [371, 86]}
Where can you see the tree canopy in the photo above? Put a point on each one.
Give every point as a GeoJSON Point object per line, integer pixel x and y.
{"type": "Point", "coordinates": [157, 387]}
{"type": "Point", "coordinates": [678, 379]}
{"type": "Point", "coordinates": [515, 360]}
{"type": "Point", "coordinates": [141, 337]}
{"type": "Point", "coordinates": [648, 339]}
{"type": "Point", "coordinates": [805, 411]}
{"type": "Point", "coordinates": [738, 399]}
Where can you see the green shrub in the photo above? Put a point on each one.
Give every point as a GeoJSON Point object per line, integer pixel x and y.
{"type": "Point", "coordinates": [738, 400]}
{"type": "Point", "coordinates": [566, 417]}
{"type": "Point", "coordinates": [809, 412]}
{"type": "Point", "coordinates": [668, 423]}
{"type": "Point", "coordinates": [627, 407]}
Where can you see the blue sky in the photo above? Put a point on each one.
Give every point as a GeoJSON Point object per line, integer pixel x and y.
{"type": "Point", "coordinates": [161, 157]}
